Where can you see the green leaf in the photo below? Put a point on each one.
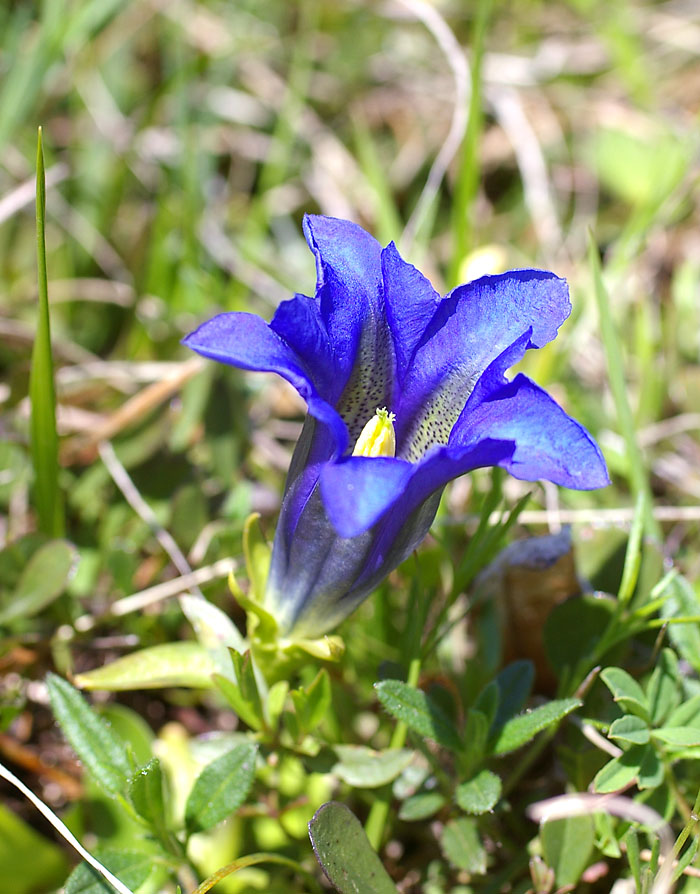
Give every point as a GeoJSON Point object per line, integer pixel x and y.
{"type": "Point", "coordinates": [514, 684]}
{"type": "Point", "coordinates": [28, 861]}
{"type": "Point", "coordinates": [221, 788]}
{"type": "Point", "coordinates": [626, 691]}
{"type": "Point", "coordinates": [363, 767]}
{"type": "Point", "coordinates": [130, 867]}
{"type": "Point", "coordinates": [687, 714]}
{"type": "Point", "coordinates": [345, 854]}
{"type": "Point", "coordinates": [213, 628]}
{"type": "Point", "coordinates": [616, 774]}
{"type": "Point", "coordinates": [169, 664]}
{"type": "Point", "coordinates": [663, 689]}
{"type": "Point", "coordinates": [631, 840]}
{"type": "Point", "coordinates": [651, 769]}
{"type": "Point", "coordinates": [417, 710]}
{"type": "Point", "coordinates": [43, 580]}
{"type": "Point", "coordinates": [479, 794]}
{"type": "Point", "coordinates": [685, 860]}
{"type": "Point", "coordinates": [243, 708]}
{"type": "Point", "coordinates": [101, 751]}
{"type": "Point", "coordinates": [421, 806]}
{"type": "Point", "coordinates": [476, 731]}
{"type": "Point", "coordinates": [684, 602]}
{"type": "Point", "coordinates": [462, 846]}
{"type": "Point", "coordinates": [312, 704]}
{"type": "Point", "coordinates": [146, 794]}
{"type": "Point", "coordinates": [640, 763]}
{"type": "Point", "coordinates": [275, 702]}
{"type": "Point", "coordinates": [630, 728]}
{"type": "Point", "coordinates": [257, 556]}
{"type": "Point", "coordinates": [679, 736]}
{"type": "Point", "coordinates": [567, 845]}
{"type": "Point", "coordinates": [487, 702]}
{"type": "Point", "coordinates": [42, 395]}
{"type": "Point", "coordinates": [523, 728]}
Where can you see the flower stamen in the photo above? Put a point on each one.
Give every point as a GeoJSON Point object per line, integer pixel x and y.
{"type": "Point", "coordinates": [377, 438]}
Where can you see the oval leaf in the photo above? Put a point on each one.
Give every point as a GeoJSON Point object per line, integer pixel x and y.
{"type": "Point", "coordinates": [480, 794]}
{"type": "Point", "coordinates": [630, 729]}
{"type": "Point", "coordinates": [345, 854]}
{"type": "Point", "coordinates": [421, 806]}
{"type": "Point", "coordinates": [221, 788]}
{"type": "Point", "coordinates": [169, 664]}
{"type": "Point", "coordinates": [364, 767]}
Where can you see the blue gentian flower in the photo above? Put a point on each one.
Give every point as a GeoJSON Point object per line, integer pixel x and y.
{"type": "Point", "coordinates": [405, 391]}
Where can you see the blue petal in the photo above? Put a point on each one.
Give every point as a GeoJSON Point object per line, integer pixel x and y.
{"type": "Point", "coordinates": [351, 303]}
{"type": "Point", "coordinates": [246, 341]}
{"type": "Point", "coordinates": [548, 443]}
{"type": "Point", "coordinates": [298, 322]}
{"type": "Point", "coordinates": [472, 326]}
{"type": "Point", "coordinates": [411, 302]}
{"type": "Point", "coordinates": [357, 491]}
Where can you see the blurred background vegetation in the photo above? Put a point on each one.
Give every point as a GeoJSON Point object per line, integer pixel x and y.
{"type": "Point", "coordinates": [184, 141]}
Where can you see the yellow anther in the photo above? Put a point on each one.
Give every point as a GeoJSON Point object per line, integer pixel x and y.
{"type": "Point", "coordinates": [377, 437]}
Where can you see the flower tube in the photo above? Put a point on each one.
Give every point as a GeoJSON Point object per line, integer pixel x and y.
{"type": "Point", "coordinates": [405, 391]}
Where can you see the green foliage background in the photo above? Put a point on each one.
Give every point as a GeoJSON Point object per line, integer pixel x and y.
{"type": "Point", "coordinates": [183, 142]}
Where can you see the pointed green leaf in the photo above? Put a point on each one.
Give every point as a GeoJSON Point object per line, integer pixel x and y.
{"type": "Point", "coordinates": [130, 867]}
{"type": "Point", "coordinates": [479, 794]}
{"type": "Point", "coordinates": [146, 794]}
{"type": "Point", "coordinates": [629, 728]}
{"type": "Point", "coordinates": [312, 704]}
{"type": "Point", "coordinates": [487, 702]}
{"type": "Point", "coordinates": [684, 602]}
{"type": "Point", "coordinates": [462, 846]}
{"type": "Point", "coordinates": [687, 714]}
{"type": "Point", "coordinates": [418, 711]}
{"type": "Point", "coordinates": [345, 854]}
{"type": "Point", "coordinates": [476, 731]}
{"type": "Point", "coordinates": [101, 751]}
{"type": "Point", "coordinates": [522, 729]}
{"type": "Point", "coordinates": [663, 690]}
{"type": "Point", "coordinates": [364, 767]}
{"type": "Point", "coordinates": [42, 395]}
{"type": "Point", "coordinates": [221, 788]}
{"type": "Point", "coordinates": [170, 664]}
{"type": "Point", "coordinates": [243, 708]}
{"type": "Point", "coordinates": [567, 845]}
{"type": "Point", "coordinates": [514, 684]}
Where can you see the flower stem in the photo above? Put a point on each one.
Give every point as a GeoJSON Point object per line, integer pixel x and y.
{"type": "Point", "coordinates": [376, 821]}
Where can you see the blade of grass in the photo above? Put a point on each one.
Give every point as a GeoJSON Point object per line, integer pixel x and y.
{"type": "Point", "coordinates": [43, 435]}
{"type": "Point", "coordinates": [638, 476]}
